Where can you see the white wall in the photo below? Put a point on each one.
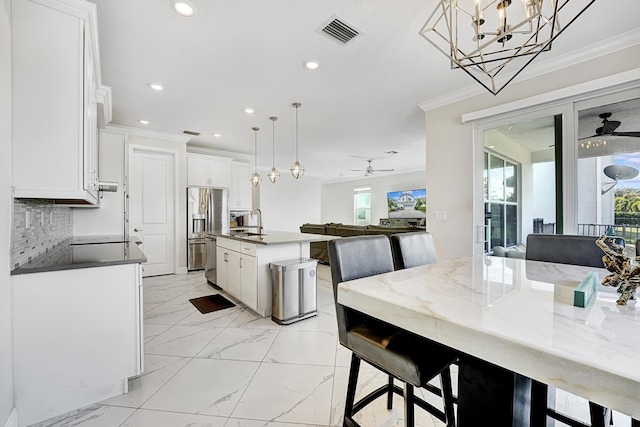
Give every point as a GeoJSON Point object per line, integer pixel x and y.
{"type": "Point", "coordinates": [289, 203]}
{"type": "Point", "coordinates": [6, 305]}
{"type": "Point", "coordinates": [337, 198]}
{"type": "Point", "coordinates": [447, 138]}
{"type": "Point", "coordinates": [109, 218]}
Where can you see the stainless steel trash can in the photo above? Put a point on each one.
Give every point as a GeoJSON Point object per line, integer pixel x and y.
{"type": "Point", "coordinates": [294, 290]}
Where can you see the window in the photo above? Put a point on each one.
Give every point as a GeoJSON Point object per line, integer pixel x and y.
{"type": "Point", "coordinates": [501, 201]}
{"type": "Point", "coordinates": [362, 205]}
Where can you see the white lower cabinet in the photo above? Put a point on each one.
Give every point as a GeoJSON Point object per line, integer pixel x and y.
{"type": "Point", "coordinates": [77, 338]}
{"type": "Point", "coordinates": [234, 274]}
{"type": "Point", "coordinates": [221, 263]}
{"type": "Point", "coordinates": [244, 270]}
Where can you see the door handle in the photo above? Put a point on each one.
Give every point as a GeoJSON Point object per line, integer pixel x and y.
{"type": "Point", "coordinates": [137, 230]}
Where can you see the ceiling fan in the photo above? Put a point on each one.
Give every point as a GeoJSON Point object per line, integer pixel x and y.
{"type": "Point", "coordinates": [370, 170]}
{"type": "Point", "coordinates": [609, 128]}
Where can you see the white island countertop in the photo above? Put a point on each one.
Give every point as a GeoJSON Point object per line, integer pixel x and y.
{"type": "Point", "coordinates": [519, 315]}
{"type": "Point", "coordinates": [274, 237]}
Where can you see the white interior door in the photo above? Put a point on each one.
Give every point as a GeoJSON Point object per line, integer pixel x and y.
{"type": "Point", "coordinates": [152, 208]}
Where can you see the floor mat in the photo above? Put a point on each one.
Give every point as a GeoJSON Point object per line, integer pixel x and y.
{"type": "Point", "coordinates": [211, 303]}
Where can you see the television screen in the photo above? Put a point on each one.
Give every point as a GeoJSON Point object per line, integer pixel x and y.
{"type": "Point", "coordinates": [407, 203]}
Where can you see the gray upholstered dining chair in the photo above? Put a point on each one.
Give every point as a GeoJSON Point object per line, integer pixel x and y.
{"type": "Point", "coordinates": [575, 250]}
{"type": "Point", "coordinates": [396, 352]}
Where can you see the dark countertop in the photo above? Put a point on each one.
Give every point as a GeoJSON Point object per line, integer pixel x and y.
{"type": "Point", "coordinates": [89, 251]}
{"type": "Point", "coordinates": [115, 238]}
{"type": "Point", "coordinates": [273, 237]}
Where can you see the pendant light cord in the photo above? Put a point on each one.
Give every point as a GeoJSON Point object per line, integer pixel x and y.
{"type": "Point", "coordinates": [297, 106]}
{"type": "Point", "coordinates": [255, 150]}
{"type": "Point", "coordinates": [273, 146]}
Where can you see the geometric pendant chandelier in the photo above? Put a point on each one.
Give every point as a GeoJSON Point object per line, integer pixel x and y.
{"type": "Point", "coordinates": [494, 40]}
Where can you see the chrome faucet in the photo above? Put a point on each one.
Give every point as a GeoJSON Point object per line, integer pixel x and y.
{"type": "Point", "coordinates": [259, 218]}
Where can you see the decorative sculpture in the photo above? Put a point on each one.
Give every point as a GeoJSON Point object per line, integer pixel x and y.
{"type": "Point", "coordinates": [625, 271]}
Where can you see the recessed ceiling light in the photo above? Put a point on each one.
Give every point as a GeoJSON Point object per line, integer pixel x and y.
{"type": "Point", "coordinates": [216, 135]}
{"type": "Point", "coordinates": [311, 64]}
{"type": "Point", "coordinates": [144, 122]}
{"type": "Point", "coordinates": [249, 110]}
{"type": "Point", "coordinates": [156, 86]}
{"type": "Point", "coordinates": [183, 7]}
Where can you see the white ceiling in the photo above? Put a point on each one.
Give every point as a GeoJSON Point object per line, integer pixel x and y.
{"type": "Point", "coordinates": [361, 103]}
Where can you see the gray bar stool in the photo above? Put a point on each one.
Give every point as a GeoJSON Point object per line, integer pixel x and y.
{"type": "Point", "coordinates": [575, 250]}
{"type": "Point", "coordinates": [396, 352]}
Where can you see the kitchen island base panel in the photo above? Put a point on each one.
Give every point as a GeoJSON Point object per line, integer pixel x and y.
{"type": "Point", "coordinates": [77, 338]}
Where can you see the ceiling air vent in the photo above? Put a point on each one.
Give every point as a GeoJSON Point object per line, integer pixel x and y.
{"type": "Point", "coordinates": [338, 29]}
{"type": "Point", "coordinates": [191, 132]}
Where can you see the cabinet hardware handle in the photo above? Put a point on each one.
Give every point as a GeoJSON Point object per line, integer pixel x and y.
{"type": "Point", "coordinates": [137, 230]}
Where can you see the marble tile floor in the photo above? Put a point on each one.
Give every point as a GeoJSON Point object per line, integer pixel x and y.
{"type": "Point", "coordinates": [231, 368]}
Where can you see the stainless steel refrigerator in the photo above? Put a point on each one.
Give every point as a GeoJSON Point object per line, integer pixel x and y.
{"type": "Point", "coordinates": [207, 212]}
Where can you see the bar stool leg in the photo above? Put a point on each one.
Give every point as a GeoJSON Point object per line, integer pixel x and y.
{"type": "Point", "coordinates": [351, 388]}
{"type": "Point", "coordinates": [408, 405]}
{"type": "Point", "coordinates": [447, 397]}
{"type": "Point", "coordinates": [390, 394]}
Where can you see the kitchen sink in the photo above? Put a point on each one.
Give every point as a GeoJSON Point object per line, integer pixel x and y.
{"type": "Point", "coordinates": [247, 234]}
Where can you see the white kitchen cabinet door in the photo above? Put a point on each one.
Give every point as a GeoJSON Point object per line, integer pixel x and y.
{"type": "Point", "coordinates": [240, 187]}
{"type": "Point", "coordinates": [197, 172]}
{"type": "Point", "coordinates": [234, 283]}
{"type": "Point", "coordinates": [219, 173]}
{"type": "Point", "coordinates": [53, 102]}
{"type": "Point", "coordinates": [207, 171]}
{"type": "Point", "coordinates": [221, 268]}
{"type": "Point", "coordinates": [249, 291]}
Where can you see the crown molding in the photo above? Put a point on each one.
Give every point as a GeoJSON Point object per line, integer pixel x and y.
{"type": "Point", "coordinates": [241, 157]}
{"type": "Point", "coordinates": [128, 131]}
{"type": "Point", "coordinates": [605, 47]}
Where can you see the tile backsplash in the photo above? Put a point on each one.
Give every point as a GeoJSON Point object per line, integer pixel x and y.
{"type": "Point", "coordinates": [49, 225]}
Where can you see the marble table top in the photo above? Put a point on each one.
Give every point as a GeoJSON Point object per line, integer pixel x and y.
{"type": "Point", "coordinates": [516, 314]}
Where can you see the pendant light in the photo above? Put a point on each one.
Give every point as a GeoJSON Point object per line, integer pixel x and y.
{"type": "Point", "coordinates": [297, 170]}
{"type": "Point", "coordinates": [273, 174]}
{"type": "Point", "coordinates": [255, 176]}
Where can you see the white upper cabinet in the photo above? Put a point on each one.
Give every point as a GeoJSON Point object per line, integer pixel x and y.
{"type": "Point", "coordinates": [207, 171]}
{"type": "Point", "coordinates": [56, 75]}
{"type": "Point", "coordinates": [240, 189]}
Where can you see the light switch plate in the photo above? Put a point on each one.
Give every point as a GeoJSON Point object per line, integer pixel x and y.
{"type": "Point", "coordinates": [441, 215]}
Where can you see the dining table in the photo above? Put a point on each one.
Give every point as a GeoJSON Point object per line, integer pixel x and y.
{"type": "Point", "coordinates": [514, 323]}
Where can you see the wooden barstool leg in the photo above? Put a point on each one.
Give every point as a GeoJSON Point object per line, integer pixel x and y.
{"type": "Point", "coordinates": [390, 394]}
{"type": "Point", "coordinates": [408, 405]}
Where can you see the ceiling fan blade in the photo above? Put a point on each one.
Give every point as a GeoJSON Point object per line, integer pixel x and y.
{"type": "Point", "coordinates": [634, 134]}
{"type": "Point", "coordinates": [358, 170]}
{"type": "Point", "coordinates": [384, 170]}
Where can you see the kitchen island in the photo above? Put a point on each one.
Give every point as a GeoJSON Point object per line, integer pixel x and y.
{"type": "Point", "coordinates": [77, 325]}
{"type": "Point", "coordinates": [517, 315]}
{"type": "Point", "coordinates": [243, 263]}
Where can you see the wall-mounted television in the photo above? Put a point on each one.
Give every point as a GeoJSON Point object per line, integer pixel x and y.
{"type": "Point", "coordinates": [407, 203]}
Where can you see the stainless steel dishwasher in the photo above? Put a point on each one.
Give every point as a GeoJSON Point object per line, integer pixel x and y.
{"type": "Point", "coordinates": [210, 271]}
